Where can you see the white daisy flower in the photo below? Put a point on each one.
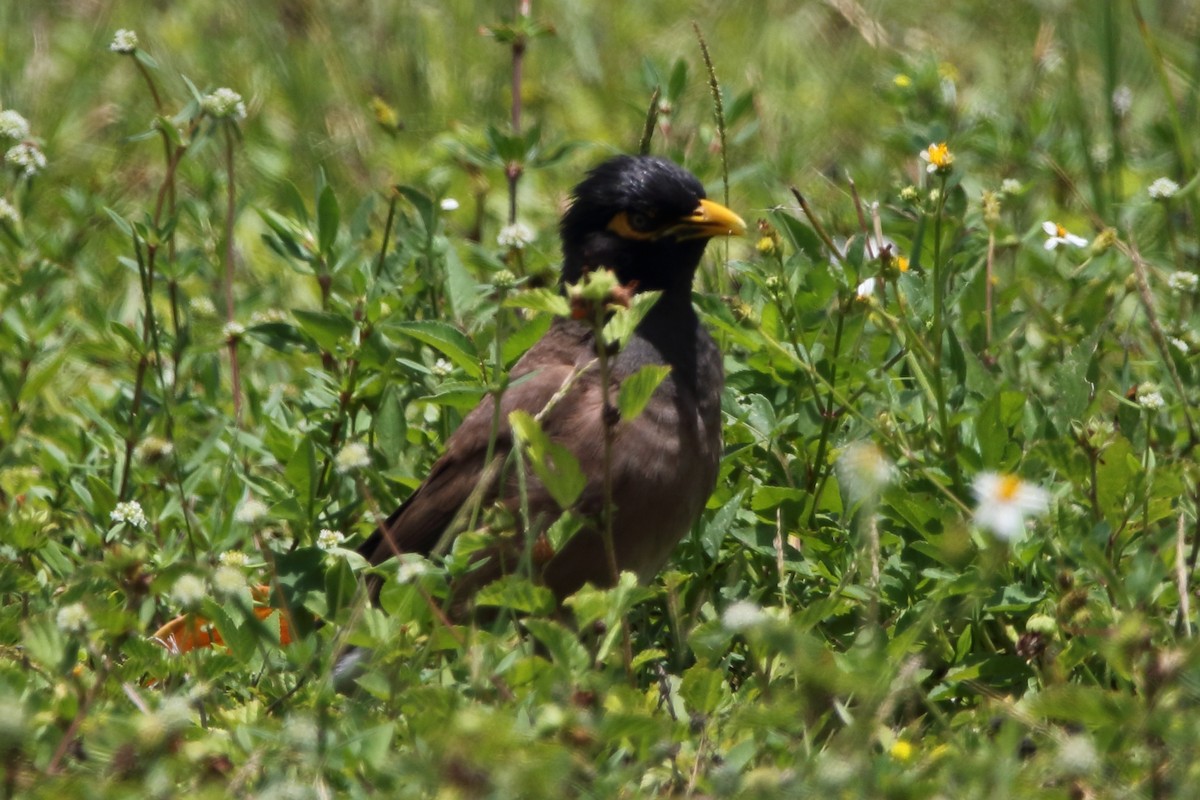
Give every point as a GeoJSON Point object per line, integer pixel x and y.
{"type": "Point", "coordinates": [1004, 501]}
{"type": "Point", "coordinates": [1057, 235]}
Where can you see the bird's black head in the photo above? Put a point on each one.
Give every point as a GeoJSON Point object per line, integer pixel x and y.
{"type": "Point", "coordinates": [644, 218]}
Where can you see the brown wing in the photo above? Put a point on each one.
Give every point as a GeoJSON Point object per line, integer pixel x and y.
{"type": "Point", "coordinates": [430, 512]}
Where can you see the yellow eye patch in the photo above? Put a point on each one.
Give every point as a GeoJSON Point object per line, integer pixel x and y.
{"type": "Point", "coordinates": [621, 226]}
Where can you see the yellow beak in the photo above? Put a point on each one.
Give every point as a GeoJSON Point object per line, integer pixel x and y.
{"type": "Point", "coordinates": [708, 220]}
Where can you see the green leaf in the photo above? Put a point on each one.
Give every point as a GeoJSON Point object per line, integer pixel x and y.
{"type": "Point", "coordinates": [327, 329]}
{"type": "Point", "coordinates": [301, 472]}
{"type": "Point", "coordinates": [704, 689]}
{"type": "Point", "coordinates": [390, 426]}
{"type": "Point", "coordinates": [329, 217]}
{"type": "Point", "coordinates": [128, 334]}
{"type": "Point", "coordinates": [541, 299]}
{"type": "Point", "coordinates": [517, 593]}
{"type": "Point", "coordinates": [554, 465]}
{"type": "Point", "coordinates": [638, 388]}
{"type": "Point", "coordinates": [624, 321]}
{"type": "Point", "coordinates": [446, 339]}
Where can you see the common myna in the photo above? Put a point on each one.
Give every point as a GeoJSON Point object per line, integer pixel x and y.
{"type": "Point", "coordinates": [648, 221]}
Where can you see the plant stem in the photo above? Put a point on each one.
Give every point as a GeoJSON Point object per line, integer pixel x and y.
{"type": "Point", "coordinates": [232, 341]}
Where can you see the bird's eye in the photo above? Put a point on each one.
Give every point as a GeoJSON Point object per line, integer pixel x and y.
{"type": "Point", "coordinates": [639, 221]}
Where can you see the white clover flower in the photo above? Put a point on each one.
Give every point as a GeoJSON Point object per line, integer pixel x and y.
{"type": "Point", "coordinates": [742, 616]}
{"type": "Point", "coordinates": [1057, 235]}
{"type": "Point", "coordinates": [448, 204]}
{"type": "Point", "coordinates": [27, 158]}
{"type": "Point", "coordinates": [328, 539]}
{"type": "Point", "coordinates": [864, 471]}
{"type": "Point", "coordinates": [13, 125]}
{"type": "Point", "coordinates": [233, 558]}
{"type": "Point", "coordinates": [8, 212]}
{"type": "Point", "coordinates": [233, 330]}
{"type": "Point", "coordinates": [72, 619]}
{"type": "Point", "coordinates": [351, 457]}
{"type": "Point", "coordinates": [1149, 397]}
{"type": "Point", "coordinates": [251, 510]}
{"type": "Point", "coordinates": [442, 368]}
{"type": "Point", "coordinates": [1004, 501]}
{"type": "Point", "coordinates": [412, 566]}
{"type": "Point", "coordinates": [1122, 100]}
{"type": "Point", "coordinates": [130, 513]}
{"type": "Point", "coordinates": [229, 580]}
{"type": "Point", "coordinates": [515, 237]}
{"type": "Point", "coordinates": [188, 591]}
{"type": "Point", "coordinates": [1183, 282]}
{"type": "Point", "coordinates": [202, 306]}
{"type": "Point", "coordinates": [866, 289]}
{"type": "Point", "coordinates": [224, 103]}
{"type": "Point", "coordinates": [124, 41]}
{"type": "Point", "coordinates": [1010, 186]}
{"type": "Point", "coordinates": [1163, 189]}
{"type": "Point", "coordinates": [153, 448]}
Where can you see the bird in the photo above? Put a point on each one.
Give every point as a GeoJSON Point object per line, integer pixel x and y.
{"type": "Point", "coordinates": [648, 221]}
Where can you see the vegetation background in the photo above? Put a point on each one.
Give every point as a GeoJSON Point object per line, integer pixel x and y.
{"type": "Point", "coordinates": [952, 549]}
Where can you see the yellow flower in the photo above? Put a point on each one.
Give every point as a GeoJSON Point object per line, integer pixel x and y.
{"type": "Point", "coordinates": [938, 158]}
{"type": "Point", "coordinates": [902, 263]}
{"type": "Point", "coordinates": [902, 751]}
{"type": "Point", "coordinates": [766, 245]}
{"type": "Point", "coordinates": [902, 80]}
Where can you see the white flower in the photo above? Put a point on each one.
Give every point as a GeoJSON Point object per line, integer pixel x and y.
{"type": "Point", "coordinates": [232, 330]}
{"type": "Point", "coordinates": [1179, 344]}
{"type": "Point", "coordinates": [1163, 189]}
{"type": "Point", "coordinates": [515, 237]}
{"type": "Point", "coordinates": [1059, 235]}
{"type": "Point", "coordinates": [8, 212]}
{"type": "Point", "coordinates": [27, 158]}
{"type": "Point", "coordinates": [229, 580]}
{"type": "Point", "coordinates": [202, 306]}
{"type": "Point", "coordinates": [188, 591]}
{"type": "Point", "coordinates": [124, 41]}
{"type": "Point", "coordinates": [130, 513]}
{"type": "Point", "coordinates": [864, 471]}
{"type": "Point", "coordinates": [866, 289]}
{"type": "Point", "coordinates": [937, 158]}
{"type": "Point", "coordinates": [1077, 755]}
{"type": "Point", "coordinates": [232, 558]}
{"type": "Point", "coordinates": [353, 456]}
{"type": "Point", "coordinates": [1003, 502]}
{"type": "Point", "coordinates": [412, 566]}
{"type": "Point", "coordinates": [328, 539]}
{"type": "Point", "coordinates": [1149, 397]}
{"type": "Point", "coordinates": [224, 103]}
{"type": "Point", "coordinates": [1010, 186]}
{"type": "Point", "coordinates": [1183, 282]}
{"type": "Point", "coordinates": [268, 315]}
{"type": "Point", "coordinates": [251, 510]}
{"type": "Point", "coordinates": [1122, 100]}
{"type": "Point", "coordinates": [442, 368]}
{"type": "Point", "coordinates": [448, 204]}
{"type": "Point", "coordinates": [743, 615]}
{"type": "Point", "coordinates": [13, 125]}
{"type": "Point", "coordinates": [154, 448]}
{"type": "Point", "coordinates": [72, 619]}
